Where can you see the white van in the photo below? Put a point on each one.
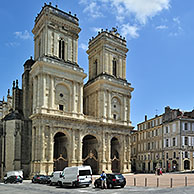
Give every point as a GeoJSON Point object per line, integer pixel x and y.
{"type": "Point", "coordinates": [77, 176]}
{"type": "Point", "coordinates": [55, 177]}
{"type": "Point", "coordinates": [15, 172]}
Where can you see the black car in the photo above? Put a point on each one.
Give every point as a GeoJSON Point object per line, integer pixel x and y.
{"type": "Point", "coordinates": [13, 179]}
{"type": "Point", "coordinates": [37, 178]}
{"type": "Point", "coordinates": [45, 179]}
{"type": "Point", "coordinates": [112, 180]}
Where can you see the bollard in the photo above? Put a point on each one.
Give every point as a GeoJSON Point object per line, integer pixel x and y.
{"type": "Point", "coordinates": [157, 182]}
{"type": "Point", "coordinates": [146, 181]}
{"type": "Point", "coordinates": [185, 181]}
{"type": "Point", "coordinates": [171, 183]}
{"type": "Point", "coordinates": [134, 181]}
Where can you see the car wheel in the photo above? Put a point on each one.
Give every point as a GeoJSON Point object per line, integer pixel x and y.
{"type": "Point", "coordinates": [122, 186]}
{"type": "Point", "coordinates": [5, 182]}
{"type": "Point", "coordinates": [110, 186]}
{"type": "Point", "coordinates": [87, 185]}
{"type": "Point", "coordinates": [60, 184]}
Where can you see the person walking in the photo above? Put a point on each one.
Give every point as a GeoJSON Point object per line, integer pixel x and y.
{"type": "Point", "coordinates": [103, 180]}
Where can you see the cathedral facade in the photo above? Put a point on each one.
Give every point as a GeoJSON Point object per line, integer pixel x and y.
{"type": "Point", "coordinates": [56, 120]}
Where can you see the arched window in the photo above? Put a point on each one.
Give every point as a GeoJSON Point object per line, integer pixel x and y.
{"type": "Point", "coordinates": [114, 65]}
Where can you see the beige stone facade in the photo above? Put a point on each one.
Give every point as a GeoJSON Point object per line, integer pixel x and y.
{"type": "Point", "coordinates": [165, 141]}
{"type": "Point", "coordinates": [61, 121]}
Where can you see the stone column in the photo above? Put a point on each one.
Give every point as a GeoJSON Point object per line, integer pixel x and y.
{"type": "Point", "coordinates": [108, 150]}
{"type": "Point", "coordinates": [44, 104]}
{"type": "Point", "coordinates": [129, 153]}
{"type": "Point", "coordinates": [73, 146]}
{"type": "Point", "coordinates": [34, 94]}
{"type": "Point", "coordinates": [120, 68]}
{"type": "Point", "coordinates": [109, 105]}
{"type": "Point", "coordinates": [124, 69]}
{"type": "Point", "coordinates": [81, 98]}
{"type": "Point", "coordinates": [38, 91]}
{"type": "Point", "coordinates": [32, 149]}
{"type": "Point", "coordinates": [73, 97]}
{"type": "Point", "coordinates": [124, 109]}
{"type": "Point", "coordinates": [51, 93]}
{"type": "Point", "coordinates": [50, 145]}
{"type": "Point", "coordinates": [80, 145]}
{"type": "Point", "coordinates": [128, 109]}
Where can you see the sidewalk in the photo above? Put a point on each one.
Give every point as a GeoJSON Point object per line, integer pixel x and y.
{"type": "Point", "coordinates": [167, 180]}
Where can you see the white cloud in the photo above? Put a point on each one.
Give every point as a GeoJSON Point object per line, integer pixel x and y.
{"type": "Point", "coordinates": [137, 12]}
{"type": "Point", "coordinates": [128, 30]}
{"type": "Point", "coordinates": [141, 9]}
{"type": "Point", "coordinates": [161, 27]}
{"type": "Point", "coordinates": [93, 9]}
{"type": "Point", "coordinates": [23, 35]}
{"type": "Point", "coordinates": [83, 46]}
{"type": "Point", "coordinates": [176, 27]}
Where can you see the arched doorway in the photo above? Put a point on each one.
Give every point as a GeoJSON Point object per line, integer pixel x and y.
{"type": "Point", "coordinates": [60, 151]}
{"type": "Point", "coordinates": [115, 155]}
{"type": "Point", "coordinates": [187, 165]}
{"type": "Point", "coordinates": [89, 152]}
{"type": "Point", "coordinates": [174, 165]}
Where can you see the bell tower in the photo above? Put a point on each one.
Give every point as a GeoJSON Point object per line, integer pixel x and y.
{"type": "Point", "coordinates": [57, 78]}
{"type": "Point", "coordinates": [107, 93]}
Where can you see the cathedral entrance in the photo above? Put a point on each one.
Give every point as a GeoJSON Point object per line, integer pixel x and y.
{"type": "Point", "coordinates": [115, 155]}
{"type": "Point", "coordinates": [60, 151]}
{"type": "Point", "coordinates": [187, 165]}
{"type": "Point", "coordinates": [89, 152]}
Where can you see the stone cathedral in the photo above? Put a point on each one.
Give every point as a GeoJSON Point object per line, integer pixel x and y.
{"type": "Point", "coordinates": [56, 120]}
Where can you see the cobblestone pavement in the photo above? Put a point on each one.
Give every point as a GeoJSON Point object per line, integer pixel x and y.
{"type": "Point", "coordinates": [29, 188]}
{"type": "Point", "coordinates": [164, 181]}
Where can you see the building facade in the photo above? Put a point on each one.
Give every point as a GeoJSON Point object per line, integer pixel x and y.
{"type": "Point", "coordinates": [165, 141]}
{"type": "Point", "coordinates": [55, 120]}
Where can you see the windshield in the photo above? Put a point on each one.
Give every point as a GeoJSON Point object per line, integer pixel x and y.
{"type": "Point", "coordinates": [84, 172]}
{"type": "Point", "coordinates": [119, 176]}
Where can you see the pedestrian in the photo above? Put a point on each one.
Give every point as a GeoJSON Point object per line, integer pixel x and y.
{"type": "Point", "coordinates": [160, 171]}
{"type": "Point", "coordinates": [103, 180]}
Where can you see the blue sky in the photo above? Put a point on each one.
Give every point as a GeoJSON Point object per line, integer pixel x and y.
{"type": "Point", "coordinates": [160, 38]}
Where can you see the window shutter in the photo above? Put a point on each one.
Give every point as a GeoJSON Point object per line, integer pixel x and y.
{"type": "Point", "coordinates": [183, 140]}
{"type": "Point", "coordinates": [183, 126]}
{"type": "Point", "coordinates": [164, 143]}
{"type": "Point", "coordinates": [192, 143]}
{"type": "Point", "coordinates": [176, 144]}
{"type": "Point", "coordinates": [188, 154]}
{"type": "Point", "coordinates": [169, 142]}
{"type": "Point", "coordinates": [189, 141]}
{"type": "Point", "coordinates": [183, 154]}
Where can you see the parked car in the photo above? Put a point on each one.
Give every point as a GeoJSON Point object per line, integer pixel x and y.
{"type": "Point", "coordinates": [12, 173]}
{"type": "Point", "coordinates": [13, 179]}
{"type": "Point", "coordinates": [37, 178]}
{"type": "Point", "coordinates": [55, 177]}
{"type": "Point", "coordinates": [112, 180]}
{"type": "Point", "coordinates": [76, 176]}
{"type": "Point", "coordinates": [45, 179]}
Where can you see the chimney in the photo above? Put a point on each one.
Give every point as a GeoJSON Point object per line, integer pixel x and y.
{"type": "Point", "coordinates": [146, 117]}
